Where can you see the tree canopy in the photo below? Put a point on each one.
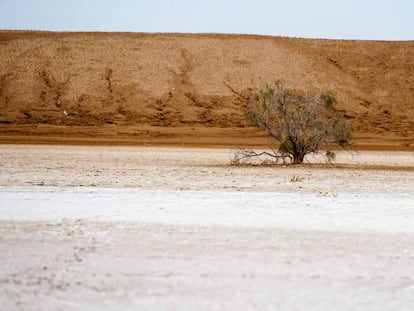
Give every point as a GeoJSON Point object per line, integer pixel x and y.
{"type": "Point", "coordinates": [299, 122]}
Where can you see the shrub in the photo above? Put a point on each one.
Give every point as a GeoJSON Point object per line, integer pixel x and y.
{"type": "Point", "coordinates": [298, 122]}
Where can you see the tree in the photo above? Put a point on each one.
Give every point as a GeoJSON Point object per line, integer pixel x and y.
{"type": "Point", "coordinates": [297, 122]}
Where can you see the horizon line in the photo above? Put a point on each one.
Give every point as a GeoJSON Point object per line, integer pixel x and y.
{"type": "Point", "coordinates": [199, 33]}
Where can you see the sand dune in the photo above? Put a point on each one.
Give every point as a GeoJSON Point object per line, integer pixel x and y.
{"type": "Point", "coordinates": [134, 86]}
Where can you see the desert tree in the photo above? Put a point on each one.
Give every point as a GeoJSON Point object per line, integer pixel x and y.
{"type": "Point", "coordinates": [297, 123]}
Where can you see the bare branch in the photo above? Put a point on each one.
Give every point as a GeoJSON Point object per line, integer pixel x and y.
{"type": "Point", "coordinates": [245, 154]}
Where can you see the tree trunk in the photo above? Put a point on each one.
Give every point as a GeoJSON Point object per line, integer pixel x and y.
{"type": "Point", "coordinates": [298, 158]}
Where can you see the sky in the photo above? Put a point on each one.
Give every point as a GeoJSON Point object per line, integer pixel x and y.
{"type": "Point", "coordinates": [331, 19]}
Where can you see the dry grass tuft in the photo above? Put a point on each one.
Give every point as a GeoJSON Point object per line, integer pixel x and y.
{"type": "Point", "coordinates": [296, 178]}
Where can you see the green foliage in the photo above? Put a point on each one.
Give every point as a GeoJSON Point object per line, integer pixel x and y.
{"type": "Point", "coordinates": [330, 99]}
{"type": "Point", "coordinates": [330, 156]}
{"type": "Point", "coordinates": [343, 133]}
{"type": "Point", "coordinates": [299, 122]}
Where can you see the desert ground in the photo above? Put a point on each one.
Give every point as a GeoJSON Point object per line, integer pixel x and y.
{"type": "Point", "coordinates": [171, 228]}
{"type": "Point", "coordinates": [192, 89]}
{"type": "Point", "coordinates": [116, 190]}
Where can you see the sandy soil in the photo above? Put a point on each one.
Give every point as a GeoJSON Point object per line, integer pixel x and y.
{"type": "Point", "coordinates": [196, 169]}
{"type": "Point", "coordinates": [110, 266]}
{"type": "Point", "coordinates": [92, 228]}
{"type": "Point", "coordinates": [156, 87]}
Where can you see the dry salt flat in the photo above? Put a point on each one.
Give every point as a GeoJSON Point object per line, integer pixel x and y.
{"type": "Point", "coordinates": [92, 228]}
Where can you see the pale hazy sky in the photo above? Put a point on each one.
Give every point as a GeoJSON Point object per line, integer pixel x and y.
{"type": "Point", "coordinates": [342, 19]}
